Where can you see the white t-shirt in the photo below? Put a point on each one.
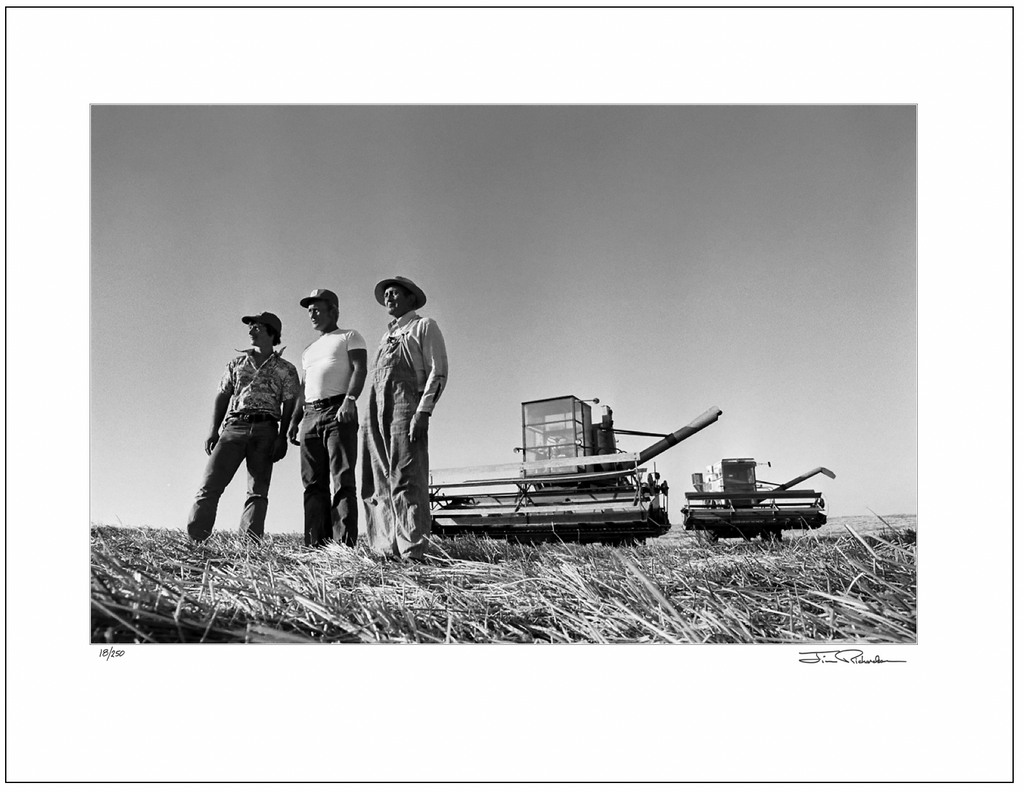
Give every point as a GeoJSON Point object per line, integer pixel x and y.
{"type": "Point", "coordinates": [325, 365]}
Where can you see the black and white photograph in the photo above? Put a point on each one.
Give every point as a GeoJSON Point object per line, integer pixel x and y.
{"type": "Point", "coordinates": [740, 275]}
{"type": "Point", "coordinates": [639, 389]}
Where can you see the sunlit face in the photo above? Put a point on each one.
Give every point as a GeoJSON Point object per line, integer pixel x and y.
{"type": "Point", "coordinates": [398, 300]}
{"type": "Point", "coordinates": [260, 335]}
{"type": "Point", "coordinates": [322, 314]}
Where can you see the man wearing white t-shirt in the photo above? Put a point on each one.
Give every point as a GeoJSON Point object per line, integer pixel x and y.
{"type": "Point", "coordinates": [325, 424]}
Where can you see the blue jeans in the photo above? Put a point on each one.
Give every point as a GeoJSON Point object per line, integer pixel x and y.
{"type": "Point", "coordinates": [255, 444]}
{"type": "Point", "coordinates": [327, 457]}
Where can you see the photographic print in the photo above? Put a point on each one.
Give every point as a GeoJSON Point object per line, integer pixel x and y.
{"type": "Point", "coordinates": [658, 349]}
{"type": "Point", "coordinates": [508, 394]}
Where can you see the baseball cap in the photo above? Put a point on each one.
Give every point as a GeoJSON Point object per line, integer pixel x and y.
{"type": "Point", "coordinates": [266, 318]}
{"type": "Point", "coordinates": [320, 294]}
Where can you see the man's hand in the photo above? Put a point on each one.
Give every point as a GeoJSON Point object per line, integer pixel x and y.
{"type": "Point", "coordinates": [293, 434]}
{"type": "Point", "coordinates": [211, 441]}
{"type": "Point", "coordinates": [418, 427]}
{"type": "Point", "coordinates": [347, 411]}
{"type": "Point", "coordinates": [280, 448]}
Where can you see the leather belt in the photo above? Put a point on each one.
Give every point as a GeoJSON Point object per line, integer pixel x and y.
{"type": "Point", "coordinates": [330, 401]}
{"type": "Point", "coordinates": [254, 417]}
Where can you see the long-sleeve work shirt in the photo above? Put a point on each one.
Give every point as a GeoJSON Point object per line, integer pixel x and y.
{"type": "Point", "coordinates": [429, 356]}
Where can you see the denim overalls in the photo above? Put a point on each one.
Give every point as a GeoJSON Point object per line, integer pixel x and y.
{"type": "Point", "coordinates": [395, 470]}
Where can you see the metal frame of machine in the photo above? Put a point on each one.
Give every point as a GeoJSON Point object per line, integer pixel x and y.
{"type": "Point", "coordinates": [723, 506]}
{"type": "Point", "coordinates": [567, 486]}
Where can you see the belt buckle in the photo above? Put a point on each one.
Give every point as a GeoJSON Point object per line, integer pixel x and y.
{"type": "Point", "coordinates": [320, 404]}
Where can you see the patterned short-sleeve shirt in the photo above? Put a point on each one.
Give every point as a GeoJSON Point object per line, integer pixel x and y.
{"type": "Point", "coordinates": [259, 389]}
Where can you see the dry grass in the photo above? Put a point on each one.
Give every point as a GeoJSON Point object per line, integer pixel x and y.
{"type": "Point", "coordinates": [157, 586]}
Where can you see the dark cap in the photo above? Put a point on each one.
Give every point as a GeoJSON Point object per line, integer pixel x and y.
{"type": "Point", "coordinates": [320, 294]}
{"type": "Point", "coordinates": [269, 320]}
{"type": "Point", "coordinates": [265, 318]}
{"type": "Point", "coordinates": [416, 291]}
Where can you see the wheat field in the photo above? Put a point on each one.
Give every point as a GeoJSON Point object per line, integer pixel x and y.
{"type": "Point", "coordinates": [855, 581]}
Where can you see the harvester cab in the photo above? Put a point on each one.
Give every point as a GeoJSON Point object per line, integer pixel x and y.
{"type": "Point", "coordinates": [721, 506]}
{"type": "Point", "coordinates": [559, 428]}
{"type": "Point", "coordinates": [572, 483]}
{"type": "Point", "coordinates": [563, 428]}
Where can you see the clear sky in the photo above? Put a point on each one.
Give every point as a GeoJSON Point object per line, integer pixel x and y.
{"type": "Point", "coordinates": [664, 259]}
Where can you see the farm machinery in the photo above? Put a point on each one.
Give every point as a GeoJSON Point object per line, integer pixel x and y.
{"type": "Point", "coordinates": [571, 484]}
{"type": "Point", "coordinates": [730, 502]}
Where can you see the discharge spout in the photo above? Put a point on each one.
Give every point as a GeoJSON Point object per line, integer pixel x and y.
{"type": "Point", "coordinates": [806, 476]}
{"type": "Point", "coordinates": [797, 480]}
{"type": "Point", "coordinates": [704, 419]}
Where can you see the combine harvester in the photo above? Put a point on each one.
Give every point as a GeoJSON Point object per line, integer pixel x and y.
{"type": "Point", "coordinates": [722, 506]}
{"type": "Point", "coordinates": [571, 485]}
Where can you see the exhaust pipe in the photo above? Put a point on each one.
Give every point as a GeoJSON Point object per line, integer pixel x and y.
{"type": "Point", "coordinates": [700, 422]}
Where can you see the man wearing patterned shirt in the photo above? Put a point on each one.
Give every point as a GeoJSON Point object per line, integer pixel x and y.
{"type": "Point", "coordinates": [408, 376]}
{"type": "Point", "coordinates": [257, 389]}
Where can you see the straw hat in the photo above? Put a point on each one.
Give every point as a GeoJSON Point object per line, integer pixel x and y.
{"type": "Point", "coordinates": [416, 291]}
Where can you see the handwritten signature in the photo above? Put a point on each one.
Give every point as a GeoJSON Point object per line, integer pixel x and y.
{"type": "Point", "coordinates": [108, 653]}
{"type": "Point", "coordinates": [855, 656]}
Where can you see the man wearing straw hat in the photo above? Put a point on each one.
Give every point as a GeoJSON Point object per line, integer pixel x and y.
{"type": "Point", "coordinates": [407, 377]}
{"type": "Point", "coordinates": [325, 424]}
{"type": "Point", "coordinates": [256, 396]}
